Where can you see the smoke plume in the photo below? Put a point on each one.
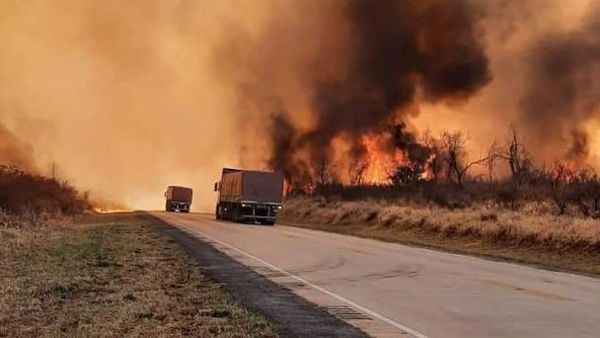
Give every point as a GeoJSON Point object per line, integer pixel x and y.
{"type": "Point", "coordinates": [125, 98]}
{"type": "Point", "coordinates": [564, 90]}
{"type": "Point", "coordinates": [117, 96]}
{"type": "Point", "coordinates": [13, 151]}
{"type": "Point", "coordinates": [390, 55]}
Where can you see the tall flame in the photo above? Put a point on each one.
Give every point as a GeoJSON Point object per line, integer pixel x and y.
{"type": "Point", "coordinates": [381, 162]}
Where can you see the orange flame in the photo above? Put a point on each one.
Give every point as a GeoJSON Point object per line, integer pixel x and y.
{"type": "Point", "coordinates": [567, 171]}
{"type": "Point", "coordinates": [381, 163]}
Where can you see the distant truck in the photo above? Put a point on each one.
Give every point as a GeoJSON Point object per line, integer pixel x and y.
{"type": "Point", "coordinates": [178, 199]}
{"type": "Point", "coordinates": [246, 195]}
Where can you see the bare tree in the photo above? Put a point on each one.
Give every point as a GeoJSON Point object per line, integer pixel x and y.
{"type": "Point", "coordinates": [558, 179]}
{"type": "Point", "coordinates": [494, 153]}
{"type": "Point", "coordinates": [324, 172]}
{"type": "Point", "coordinates": [517, 157]}
{"type": "Point", "coordinates": [453, 144]}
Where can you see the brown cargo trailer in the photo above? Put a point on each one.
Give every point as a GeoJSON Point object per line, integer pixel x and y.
{"type": "Point", "coordinates": [247, 195]}
{"type": "Point", "coordinates": [178, 199]}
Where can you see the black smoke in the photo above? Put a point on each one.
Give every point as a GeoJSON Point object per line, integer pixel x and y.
{"type": "Point", "coordinates": [401, 52]}
{"type": "Point", "coordinates": [564, 90]}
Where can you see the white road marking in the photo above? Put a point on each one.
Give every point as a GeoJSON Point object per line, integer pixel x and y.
{"type": "Point", "coordinates": [314, 286]}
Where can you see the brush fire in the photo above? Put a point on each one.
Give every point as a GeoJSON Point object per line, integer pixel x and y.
{"type": "Point", "coordinates": [345, 93]}
{"type": "Point", "coordinates": [152, 151]}
{"type": "Point", "coordinates": [380, 162]}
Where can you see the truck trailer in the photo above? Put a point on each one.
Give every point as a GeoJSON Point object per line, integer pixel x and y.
{"type": "Point", "coordinates": [247, 195]}
{"type": "Point", "coordinates": [178, 199]}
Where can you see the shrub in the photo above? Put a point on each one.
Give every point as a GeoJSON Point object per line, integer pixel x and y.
{"type": "Point", "coordinates": [23, 193]}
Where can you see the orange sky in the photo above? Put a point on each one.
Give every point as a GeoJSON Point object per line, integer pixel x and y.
{"type": "Point", "coordinates": [126, 97]}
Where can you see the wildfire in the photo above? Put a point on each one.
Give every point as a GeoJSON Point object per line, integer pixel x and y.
{"type": "Point", "coordinates": [107, 207]}
{"type": "Point", "coordinates": [568, 171]}
{"type": "Point", "coordinates": [381, 163]}
{"type": "Point", "coordinates": [109, 211]}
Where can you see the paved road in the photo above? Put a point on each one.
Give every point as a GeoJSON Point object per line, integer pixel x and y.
{"type": "Point", "coordinates": [420, 292]}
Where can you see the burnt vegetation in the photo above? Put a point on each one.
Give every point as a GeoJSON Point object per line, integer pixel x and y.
{"type": "Point", "coordinates": [444, 175]}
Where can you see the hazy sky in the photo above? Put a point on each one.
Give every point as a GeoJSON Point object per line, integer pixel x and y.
{"type": "Point", "coordinates": [127, 97]}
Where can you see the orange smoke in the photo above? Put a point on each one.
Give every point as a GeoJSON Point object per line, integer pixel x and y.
{"type": "Point", "coordinates": [125, 100]}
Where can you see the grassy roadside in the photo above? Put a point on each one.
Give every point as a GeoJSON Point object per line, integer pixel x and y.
{"type": "Point", "coordinates": [111, 276]}
{"type": "Point", "coordinates": [466, 232]}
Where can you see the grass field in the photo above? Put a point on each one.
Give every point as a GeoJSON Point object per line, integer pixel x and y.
{"type": "Point", "coordinates": [557, 242]}
{"type": "Point", "coordinates": [110, 275]}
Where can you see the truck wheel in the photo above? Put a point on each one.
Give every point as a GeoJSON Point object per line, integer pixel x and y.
{"type": "Point", "coordinates": [268, 222]}
{"type": "Point", "coordinates": [218, 212]}
{"type": "Point", "coordinates": [236, 214]}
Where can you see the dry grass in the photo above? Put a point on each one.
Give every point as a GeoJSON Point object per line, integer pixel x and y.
{"type": "Point", "coordinates": [110, 276]}
{"type": "Point", "coordinates": [530, 234]}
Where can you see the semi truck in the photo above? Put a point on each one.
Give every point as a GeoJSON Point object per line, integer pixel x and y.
{"type": "Point", "coordinates": [248, 195]}
{"type": "Point", "coordinates": [178, 198]}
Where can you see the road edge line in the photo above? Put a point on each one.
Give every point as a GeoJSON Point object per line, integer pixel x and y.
{"type": "Point", "coordinates": [314, 286]}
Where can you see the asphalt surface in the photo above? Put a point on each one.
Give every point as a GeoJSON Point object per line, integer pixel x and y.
{"type": "Point", "coordinates": [291, 315]}
{"type": "Point", "coordinates": [388, 289]}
